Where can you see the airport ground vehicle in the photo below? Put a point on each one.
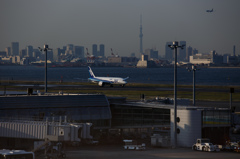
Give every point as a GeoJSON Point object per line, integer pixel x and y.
{"type": "Point", "coordinates": [133, 145]}
{"type": "Point", "coordinates": [235, 146]}
{"type": "Point", "coordinates": [15, 154]}
{"type": "Point", "coordinates": [230, 146]}
{"type": "Point", "coordinates": [204, 145]}
{"type": "Point", "coordinates": [237, 149]}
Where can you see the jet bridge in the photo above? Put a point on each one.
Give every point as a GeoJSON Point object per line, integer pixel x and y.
{"type": "Point", "coordinates": [52, 131]}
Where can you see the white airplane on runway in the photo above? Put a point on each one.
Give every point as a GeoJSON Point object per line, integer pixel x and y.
{"type": "Point", "coordinates": [106, 80]}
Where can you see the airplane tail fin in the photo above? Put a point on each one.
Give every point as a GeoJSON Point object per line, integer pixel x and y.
{"type": "Point", "coordinates": [91, 72]}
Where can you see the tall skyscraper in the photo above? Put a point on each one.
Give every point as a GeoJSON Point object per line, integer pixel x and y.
{"type": "Point", "coordinates": [141, 36]}
{"type": "Point", "coordinates": [22, 53]}
{"type": "Point", "coordinates": [29, 51]}
{"type": "Point", "coordinates": [102, 50]}
{"type": "Point", "coordinates": [69, 49]}
{"type": "Point", "coordinates": [56, 53]}
{"type": "Point", "coordinates": [14, 49]}
{"type": "Point", "coordinates": [94, 50]}
{"type": "Point", "coordinates": [189, 52]}
{"type": "Point", "coordinates": [79, 51]}
{"type": "Point", "coordinates": [182, 52]}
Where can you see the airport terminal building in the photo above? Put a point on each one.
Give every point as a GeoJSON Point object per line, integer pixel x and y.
{"type": "Point", "coordinates": [126, 119]}
{"type": "Point", "coordinates": [157, 118]}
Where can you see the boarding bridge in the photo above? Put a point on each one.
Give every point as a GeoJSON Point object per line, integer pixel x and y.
{"type": "Point", "coordinates": [52, 131]}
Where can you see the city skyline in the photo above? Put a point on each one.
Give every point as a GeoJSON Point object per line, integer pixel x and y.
{"type": "Point", "coordinates": [116, 24]}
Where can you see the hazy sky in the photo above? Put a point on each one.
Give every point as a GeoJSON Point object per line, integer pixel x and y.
{"type": "Point", "coordinates": [116, 24]}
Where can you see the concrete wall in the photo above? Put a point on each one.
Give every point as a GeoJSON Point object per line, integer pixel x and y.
{"type": "Point", "coordinates": [190, 126]}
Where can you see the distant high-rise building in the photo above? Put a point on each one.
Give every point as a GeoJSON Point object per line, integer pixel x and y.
{"type": "Point", "coordinates": [3, 54]}
{"type": "Point", "coordinates": [70, 47]}
{"type": "Point", "coordinates": [195, 51]}
{"type": "Point", "coordinates": [15, 49]}
{"type": "Point", "coordinates": [94, 50]}
{"type": "Point", "coordinates": [168, 52]}
{"type": "Point", "coordinates": [56, 54]}
{"type": "Point", "coordinates": [102, 50]}
{"type": "Point", "coordinates": [225, 58]}
{"type": "Point", "coordinates": [152, 53]}
{"type": "Point", "coordinates": [182, 52]}
{"type": "Point", "coordinates": [23, 53]}
{"type": "Point", "coordinates": [189, 52]}
{"type": "Point", "coordinates": [79, 51]}
{"type": "Point", "coordinates": [215, 58]}
{"type": "Point", "coordinates": [29, 50]}
{"type": "Point", "coordinates": [36, 53]}
{"type": "Point", "coordinates": [63, 50]}
{"type": "Point", "coordinates": [8, 51]}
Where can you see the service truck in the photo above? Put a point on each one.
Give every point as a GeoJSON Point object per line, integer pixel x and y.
{"type": "Point", "coordinates": [133, 145]}
{"type": "Point", "coordinates": [204, 145]}
{"type": "Point", "coordinates": [16, 154]}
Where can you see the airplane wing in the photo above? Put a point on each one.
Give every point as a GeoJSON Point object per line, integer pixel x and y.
{"type": "Point", "coordinates": [126, 78]}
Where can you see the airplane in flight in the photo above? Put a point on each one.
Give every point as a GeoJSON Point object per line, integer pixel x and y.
{"type": "Point", "coordinates": [209, 11]}
{"type": "Point", "coordinates": [106, 80]}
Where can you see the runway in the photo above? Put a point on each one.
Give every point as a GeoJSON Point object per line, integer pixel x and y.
{"type": "Point", "coordinates": [94, 88]}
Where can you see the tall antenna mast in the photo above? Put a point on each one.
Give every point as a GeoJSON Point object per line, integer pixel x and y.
{"type": "Point", "coordinates": [140, 36]}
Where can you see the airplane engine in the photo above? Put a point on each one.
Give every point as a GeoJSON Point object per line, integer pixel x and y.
{"type": "Point", "coordinates": [100, 83]}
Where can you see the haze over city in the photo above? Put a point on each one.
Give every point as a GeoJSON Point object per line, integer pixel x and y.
{"type": "Point", "coordinates": [116, 24]}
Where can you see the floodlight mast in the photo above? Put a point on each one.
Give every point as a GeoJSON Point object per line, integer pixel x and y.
{"type": "Point", "coordinates": [174, 47]}
{"type": "Point", "coordinates": [194, 68]}
{"type": "Point", "coordinates": [45, 49]}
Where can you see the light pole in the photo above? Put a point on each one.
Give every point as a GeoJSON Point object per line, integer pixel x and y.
{"type": "Point", "coordinates": [45, 48]}
{"type": "Point", "coordinates": [194, 68]}
{"type": "Point", "coordinates": [231, 91]}
{"type": "Point", "coordinates": [174, 47]}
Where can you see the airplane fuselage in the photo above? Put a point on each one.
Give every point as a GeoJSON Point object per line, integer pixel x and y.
{"type": "Point", "coordinates": [108, 80]}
